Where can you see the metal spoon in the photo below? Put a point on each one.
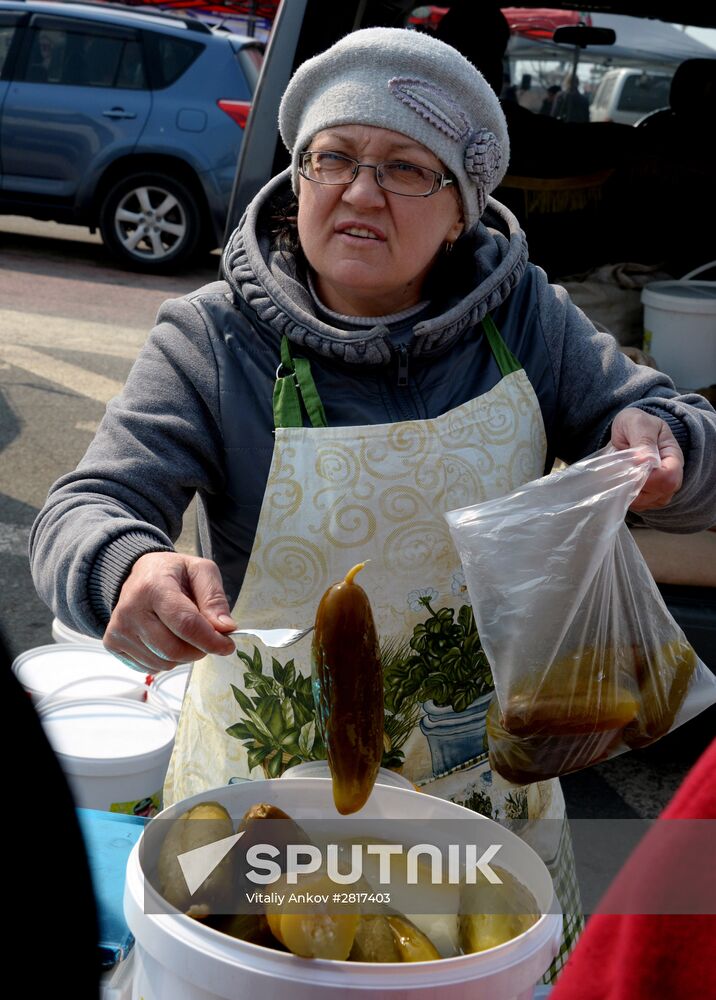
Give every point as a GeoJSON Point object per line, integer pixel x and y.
{"type": "Point", "coordinates": [277, 638]}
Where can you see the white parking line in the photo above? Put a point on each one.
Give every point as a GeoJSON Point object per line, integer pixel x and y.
{"type": "Point", "coordinates": [41, 330]}
{"type": "Point", "coordinates": [71, 377]}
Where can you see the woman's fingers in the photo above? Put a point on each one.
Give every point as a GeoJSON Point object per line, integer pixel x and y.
{"type": "Point", "coordinates": [660, 487]}
{"type": "Point", "coordinates": [634, 428]}
{"type": "Point", "coordinates": [208, 591]}
{"type": "Point", "coordinates": [136, 654]}
{"type": "Point", "coordinates": [151, 644]}
{"type": "Point", "coordinates": [183, 618]}
{"type": "Point", "coordinates": [169, 611]}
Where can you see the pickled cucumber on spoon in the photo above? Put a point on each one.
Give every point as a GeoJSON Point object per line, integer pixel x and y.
{"type": "Point", "coordinates": [348, 690]}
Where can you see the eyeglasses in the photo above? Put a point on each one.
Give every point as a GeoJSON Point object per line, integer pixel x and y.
{"type": "Point", "coordinates": [326, 167]}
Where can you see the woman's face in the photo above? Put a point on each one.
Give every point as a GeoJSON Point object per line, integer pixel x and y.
{"type": "Point", "coordinates": [370, 249]}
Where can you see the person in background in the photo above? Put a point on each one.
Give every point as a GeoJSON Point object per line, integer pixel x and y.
{"type": "Point", "coordinates": [540, 146]}
{"type": "Point", "coordinates": [508, 92]}
{"type": "Point", "coordinates": [571, 105]}
{"type": "Point", "coordinates": [42, 63]}
{"type": "Point", "coordinates": [549, 98]}
{"type": "Point", "coordinates": [527, 95]}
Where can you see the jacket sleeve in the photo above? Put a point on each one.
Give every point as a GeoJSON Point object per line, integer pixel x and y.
{"type": "Point", "coordinates": [158, 443]}
{"type": "Point", "coordinates": [594, 380]}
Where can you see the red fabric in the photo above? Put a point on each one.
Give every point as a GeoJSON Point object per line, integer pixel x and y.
{"type": "Point", "coordinates": [649, 956]}
{"type": "Point", "coordinates": [541, 22]}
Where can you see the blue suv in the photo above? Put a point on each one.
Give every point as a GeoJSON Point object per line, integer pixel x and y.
{"type": "Point", "coordinates": [123, 120]}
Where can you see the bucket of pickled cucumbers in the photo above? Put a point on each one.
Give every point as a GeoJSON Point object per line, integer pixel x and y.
{"type": "Point", "coordinates": [260, 889]}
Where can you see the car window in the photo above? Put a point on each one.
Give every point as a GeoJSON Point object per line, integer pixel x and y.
{"type": "Point", "coordinates": [84, 57]}
{"type": "Point", "coordinates": [6, 33]}
{"type": "Point", "coordinates": [250, 59]}
{"type": "Point", "coordinates": [130, 74]}
{"type": "Point", "coordinates": [174, 57]}
{"type": "Point", "coordinates": [47, 48]}
{"type": "Point", "coordinates": [645, 93]}
{"type": "Point", "coordinates": [604, 93]}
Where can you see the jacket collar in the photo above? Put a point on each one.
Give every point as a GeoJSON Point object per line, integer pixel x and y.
{"type": "Point", "coordinates": [267, 282]}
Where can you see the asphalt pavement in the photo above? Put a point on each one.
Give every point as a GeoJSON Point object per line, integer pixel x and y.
{"type": "Point", "coordinates": [70, 326]}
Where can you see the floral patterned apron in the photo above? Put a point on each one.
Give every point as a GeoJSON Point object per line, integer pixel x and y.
{"type": "Point", "coordinates": [336, 496]}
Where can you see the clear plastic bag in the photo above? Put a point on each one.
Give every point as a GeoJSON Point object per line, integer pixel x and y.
{"type": "Point", "coordinates": [586, 658]}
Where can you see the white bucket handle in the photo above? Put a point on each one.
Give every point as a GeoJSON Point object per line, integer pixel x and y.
{"type": "Point", "coordinates": [698, 270]}
{"type": "Point", "coordinates": [47, 699]}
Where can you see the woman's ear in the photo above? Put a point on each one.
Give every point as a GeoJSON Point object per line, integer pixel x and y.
{"type": "Point", "coordinates": [455, 231]}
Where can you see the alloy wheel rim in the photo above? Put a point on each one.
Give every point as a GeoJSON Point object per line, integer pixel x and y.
{"type": "Point", "coordinates": [150, 223]}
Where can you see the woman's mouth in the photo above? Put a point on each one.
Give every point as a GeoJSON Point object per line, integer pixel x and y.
{"type": "Point", "coordinates": [361, 232]}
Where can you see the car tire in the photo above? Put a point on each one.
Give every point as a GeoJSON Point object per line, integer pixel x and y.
{"type": "Point", "coordinates": [150, 222]}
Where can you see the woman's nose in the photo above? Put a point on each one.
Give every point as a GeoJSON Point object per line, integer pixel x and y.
{"type": "Point", "coordinates": [364, 190]}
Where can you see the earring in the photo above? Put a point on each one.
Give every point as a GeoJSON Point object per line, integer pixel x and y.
{"type": "Point", "coordinates": [448, 248]}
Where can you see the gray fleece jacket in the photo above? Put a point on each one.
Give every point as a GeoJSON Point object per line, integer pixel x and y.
{"type": "Point", "coordinates": [195, 416]}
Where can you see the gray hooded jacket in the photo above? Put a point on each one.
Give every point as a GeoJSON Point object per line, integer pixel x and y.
{"type": "Point", "coordinates": [195, 415]}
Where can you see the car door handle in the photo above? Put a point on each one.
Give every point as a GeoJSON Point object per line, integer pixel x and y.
{"type": "Point", "coordinates": [118, 113]}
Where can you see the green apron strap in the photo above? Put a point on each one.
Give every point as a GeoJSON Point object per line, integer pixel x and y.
{"type": "Point", "coordinates": [296, 386]}
{"type": "Point", "coordinates": [504, 357]}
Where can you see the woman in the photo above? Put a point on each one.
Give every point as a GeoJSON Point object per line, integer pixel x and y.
{"type": "Point", "coordinates": [355, 376]}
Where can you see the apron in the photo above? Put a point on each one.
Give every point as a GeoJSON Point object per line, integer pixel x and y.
{"type": "Point", "coordinates": [336, 496]}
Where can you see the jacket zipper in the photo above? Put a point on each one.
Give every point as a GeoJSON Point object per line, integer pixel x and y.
{"type": "Point", "coordinates": [402, 366]}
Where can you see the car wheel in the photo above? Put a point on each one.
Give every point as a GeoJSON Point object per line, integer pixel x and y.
{"type": "Point", "coordinates": [150, 222]}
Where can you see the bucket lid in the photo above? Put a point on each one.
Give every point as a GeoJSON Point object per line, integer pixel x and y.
{"type": "Point", "coordinates": [170, 686]}
{"type": "Point", "coordinates": [44, 669]}
{"type": "Point", "coordinates": [111, 736]}
{"type": "Point", "coordinates": [684, 296]}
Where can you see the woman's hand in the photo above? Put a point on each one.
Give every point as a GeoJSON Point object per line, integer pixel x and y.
{"type": "Point", "coordinates": [633, 428]}
{"type": "Point", "coordinates": [172, 609]}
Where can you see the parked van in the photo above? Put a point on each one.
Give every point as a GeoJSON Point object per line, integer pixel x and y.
{"type": "Point", "coordinates": [626, 95]}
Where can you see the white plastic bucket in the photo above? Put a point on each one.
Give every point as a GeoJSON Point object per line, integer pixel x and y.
{"type": "Point", "coordinates": [680, 329]}
{"type": "Point", "coordinates": [81, 669]}
{"type": "Point", "coordinates": [63, 633]}
{"type": "Point", "coordinates": [168, 687]}
{"type": "Point", "coordinates": [181, 958]}
{"type": "Point", "coordinates": [113, 751]}
{"type": "Point", "coordinates": [320, 769]}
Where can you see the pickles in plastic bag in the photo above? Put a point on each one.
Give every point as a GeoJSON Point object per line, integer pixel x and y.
{"type": "Point", "coordinates": [524, 759]}
{"type": "Point", "coordinates": [571, 718]}
{"type": "Point", "coordinates": [348, 691]}
{"type": "Point", "coordinates": [579, 596]}
{"type": "Point", "coordinates": [587, 692]}
{"type": "Point", "coordinates": [663, 678]}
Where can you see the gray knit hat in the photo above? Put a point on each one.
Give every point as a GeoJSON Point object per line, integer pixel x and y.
{"type": "Point", "coordinates": [411, 83]}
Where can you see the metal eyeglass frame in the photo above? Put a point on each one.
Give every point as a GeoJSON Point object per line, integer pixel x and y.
{"type": "Point", "coordinates": [440, 180]}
